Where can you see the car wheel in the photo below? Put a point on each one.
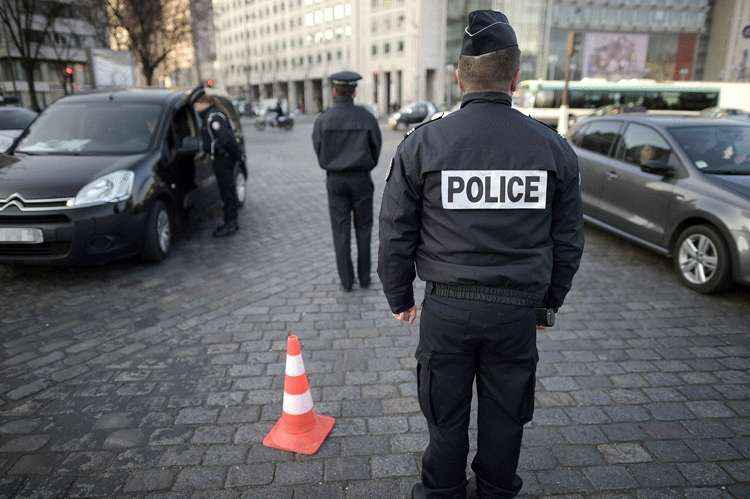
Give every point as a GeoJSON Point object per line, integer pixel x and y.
{"type": "Point", "coordinates": [159, 230]}
{"type": "Point", "coordinates": [241, 186]}
{"type": "Point", "coordinates": [701, 259]}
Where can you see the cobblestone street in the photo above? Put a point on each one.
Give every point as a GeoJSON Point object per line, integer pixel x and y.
{"type": "Point", "coordinates": [161, 380]}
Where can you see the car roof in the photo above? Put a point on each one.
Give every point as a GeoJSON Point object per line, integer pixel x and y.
{"type": "Point", "coordinates": [140, 95]}
{"type": "Point", "coordinates": [667, 120]}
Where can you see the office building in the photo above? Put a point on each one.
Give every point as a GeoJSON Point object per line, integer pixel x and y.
{"type": "Point", "coordinates": [729, 43]}
{"type": "Point", "coordinates": [287, 48]}
{"type": "Point", "coordinates": [65, 46]}
{"type": "Point", "coordinates": [614, 39]}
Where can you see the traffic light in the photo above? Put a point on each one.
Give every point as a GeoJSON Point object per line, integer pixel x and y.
{"type": "Point", "coordinates": [69, 71]}
{"type": "Point", "coordinates": [210, 83]}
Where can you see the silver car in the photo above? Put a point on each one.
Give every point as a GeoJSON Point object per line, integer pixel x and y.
{"type": "Point", "coordinates": [680, 186]}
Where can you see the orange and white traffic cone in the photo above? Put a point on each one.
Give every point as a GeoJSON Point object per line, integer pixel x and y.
{"type": "Point", "coordinates": [300, 429]}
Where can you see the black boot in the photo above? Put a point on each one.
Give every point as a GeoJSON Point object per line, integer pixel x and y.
{"type": "Point", "coordinates": [228, 229]}
{"type": "Point", "coordinates": [417, 492]}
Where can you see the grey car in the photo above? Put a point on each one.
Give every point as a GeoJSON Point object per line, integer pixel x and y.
{"type": "Point", "coordinates": [680, 186]}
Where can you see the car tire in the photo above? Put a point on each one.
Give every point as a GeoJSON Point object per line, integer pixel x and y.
{"type": "Point", "coordinates": [702, 259]}
{"type": "Point", "coordinates": [241, 186]}
{"type": "Point", "coordinates": [159, 230]}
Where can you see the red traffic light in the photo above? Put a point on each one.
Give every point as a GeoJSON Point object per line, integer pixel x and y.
{"type": "Point", "coordinates": [210, 83]}
{"type": "Point", "coordinates": [69, 71]}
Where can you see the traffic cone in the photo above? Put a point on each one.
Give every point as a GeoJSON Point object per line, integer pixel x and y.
{"type": "Point", "coordinates": [300, 429]}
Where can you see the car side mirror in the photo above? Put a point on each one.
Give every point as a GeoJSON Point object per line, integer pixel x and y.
{"type": "Point", "coordinates": [190, 146]}
{"type": "Point", "coordinates": [657, 168]}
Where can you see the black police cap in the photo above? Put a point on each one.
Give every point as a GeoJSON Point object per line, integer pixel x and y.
{"type": "Point", "coordinates": [487, 31]}
{"type": "Point", "coordinates": [345, 78]}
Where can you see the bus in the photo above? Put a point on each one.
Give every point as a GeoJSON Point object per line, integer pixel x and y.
{"type": "Point", "coordinates": [541, 99]}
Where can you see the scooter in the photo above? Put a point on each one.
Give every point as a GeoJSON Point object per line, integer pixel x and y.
{"type": "Point", "coordinates": [275, 121]}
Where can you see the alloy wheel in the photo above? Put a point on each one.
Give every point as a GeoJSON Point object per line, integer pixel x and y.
{"type": "Point", "coordinates": [164, 231]}
{"type": "Point", "coordinates": [241, 188]}
{"type": "Point", "coordinates": [698, 259]}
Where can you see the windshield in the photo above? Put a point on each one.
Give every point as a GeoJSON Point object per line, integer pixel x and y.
{"type": "Point", "coordinates": [92, 128]}
{"type": "Point", "coordinates": [723, 149]}
{"type": "Point", "coordinates": [15, 118]}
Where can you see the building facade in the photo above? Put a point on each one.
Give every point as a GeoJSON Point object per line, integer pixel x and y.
{"type": "Point", "coordinates": [728, 55]}
{"type": "Point", "coordinates": [66, 45]}
{"type": "Point", "coordinates": [657, 39]}
{"type": "Point", "coordinates": [287, 48]}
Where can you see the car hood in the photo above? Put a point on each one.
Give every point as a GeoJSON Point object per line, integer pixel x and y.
{"type": "Point", "coordinates": [738, 184]}
{"type": "Point", "coordinates": [11, 133]}
{"type": "Point", "coordinates": [52, 177]}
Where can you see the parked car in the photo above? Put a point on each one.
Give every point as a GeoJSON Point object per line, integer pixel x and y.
{"type": "Point", "coordinates": [106, 175]}
{"type": "Point", "coordinates": [678, 186]}
{"type": "Point", "coordinates": [13, 120]}
{"type": "Point", "coordinates": [412, 114]}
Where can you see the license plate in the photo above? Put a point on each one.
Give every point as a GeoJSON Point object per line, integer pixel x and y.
{"type": "Point", "coordinates": [21, 235]}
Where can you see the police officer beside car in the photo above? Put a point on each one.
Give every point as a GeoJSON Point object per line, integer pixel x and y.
{"type": "Point", "coordinates": [219, 142]}
{"type": "Point", "coordinates": [486, 204]}
{"type": "Point", "coordinates": [347, 142]}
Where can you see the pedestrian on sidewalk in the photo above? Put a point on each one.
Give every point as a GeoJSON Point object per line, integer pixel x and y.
{"type": "Point", "coordinates": [347, 141]}
{"type": "Point", "coordinates": [486, 203]}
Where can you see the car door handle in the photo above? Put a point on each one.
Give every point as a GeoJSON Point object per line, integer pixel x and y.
{"type": "Point", "coordinates": [612, 175]}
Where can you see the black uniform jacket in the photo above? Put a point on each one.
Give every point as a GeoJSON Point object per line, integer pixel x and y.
{"type": "Point", "coordinates": [483, 197]}
{"type": "Point", "coordinates": [218, 133]}
{"type": "Point", "coordinates": [347, 138]}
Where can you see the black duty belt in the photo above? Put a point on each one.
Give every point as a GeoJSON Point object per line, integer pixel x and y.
{"type": "Point", "coordinates": [486, 294]}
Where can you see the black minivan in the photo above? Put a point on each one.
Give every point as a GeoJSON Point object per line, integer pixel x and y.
{"type": "Point", "coordinates": [106, 175]}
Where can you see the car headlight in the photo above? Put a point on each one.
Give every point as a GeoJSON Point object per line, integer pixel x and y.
{"type": "Point", "coordinates": [117, 186]}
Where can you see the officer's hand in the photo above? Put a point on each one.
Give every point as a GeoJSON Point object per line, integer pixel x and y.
{"type": "Point", "coordinates": [408, 316]}
{"type": "Point", "coordinates": [541, 329]}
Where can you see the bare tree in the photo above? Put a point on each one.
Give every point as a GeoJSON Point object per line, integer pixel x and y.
{"type": "Point", "coordinates": [151, 29]}
{"type": "Point", "coordinates": [28, 24]}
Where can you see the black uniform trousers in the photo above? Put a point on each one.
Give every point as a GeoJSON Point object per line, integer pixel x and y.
{"type": "Point", "coordinates": [461, 341]}
{"type": "Point", "coordinates": [351, 192]}
{"type": "Point", "coordinates": [226, 180]}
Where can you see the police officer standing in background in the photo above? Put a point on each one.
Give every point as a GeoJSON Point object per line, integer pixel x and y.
{"type": "Point", "coordinates": [347, 141]}
{"type": "Point", "coordinates": [220, 143]}
{"type": "Point", "coordinates": [486, 203]}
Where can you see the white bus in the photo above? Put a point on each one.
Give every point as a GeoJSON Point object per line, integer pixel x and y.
{"type": "Point", "coordinates": [541, 99]}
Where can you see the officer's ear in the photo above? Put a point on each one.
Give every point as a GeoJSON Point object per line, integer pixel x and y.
{"type": "Point", "coordinates": [457, 75]}
{"type": "Point", "coordinates": [516, 80]}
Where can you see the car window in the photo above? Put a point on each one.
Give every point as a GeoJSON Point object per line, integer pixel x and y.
{"type": "Point", "coordinates": [716, 149]}
{"type": "Point", "coordinates": [578, 135]}
{"type": "Point", "coordinates": [600, 136]}
{"type": "Point", "coordinates": [15, 118]}
{"type": "Point", "coordinates": [93, 128]}
{"type": "Point", "coordinates": [641, 145]}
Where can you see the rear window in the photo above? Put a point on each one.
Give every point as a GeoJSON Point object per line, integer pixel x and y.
{"type": "Point", "coordinates": [600, 136]}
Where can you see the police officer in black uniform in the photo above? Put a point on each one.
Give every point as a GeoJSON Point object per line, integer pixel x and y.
{"type": "Point", "coordinates": [347, 141]}
{"type": "Point", "coordinates": [485, 202]}
{"type": "Point", "coordinates": [220, 143]}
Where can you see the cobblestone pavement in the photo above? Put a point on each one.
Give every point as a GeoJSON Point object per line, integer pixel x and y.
{"type": "Point", "coordinates": [160, 380]}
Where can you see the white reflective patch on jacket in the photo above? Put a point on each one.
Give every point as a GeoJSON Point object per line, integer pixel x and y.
{"type": "Point", "coordinates": [494, 189]}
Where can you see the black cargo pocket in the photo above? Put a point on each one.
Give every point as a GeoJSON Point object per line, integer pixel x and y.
{"type": "Point", "coordinates": [527, 412]}
{"type": "Point", "coordinates": [424, 387]}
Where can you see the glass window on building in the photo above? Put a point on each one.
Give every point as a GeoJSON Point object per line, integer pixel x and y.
{"type": "Point", "coordinates": [400, 46]}
{"type": "Point", "coordinates": [374, 50]}
{"type": "Point", "coordinates": [387, 48]}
